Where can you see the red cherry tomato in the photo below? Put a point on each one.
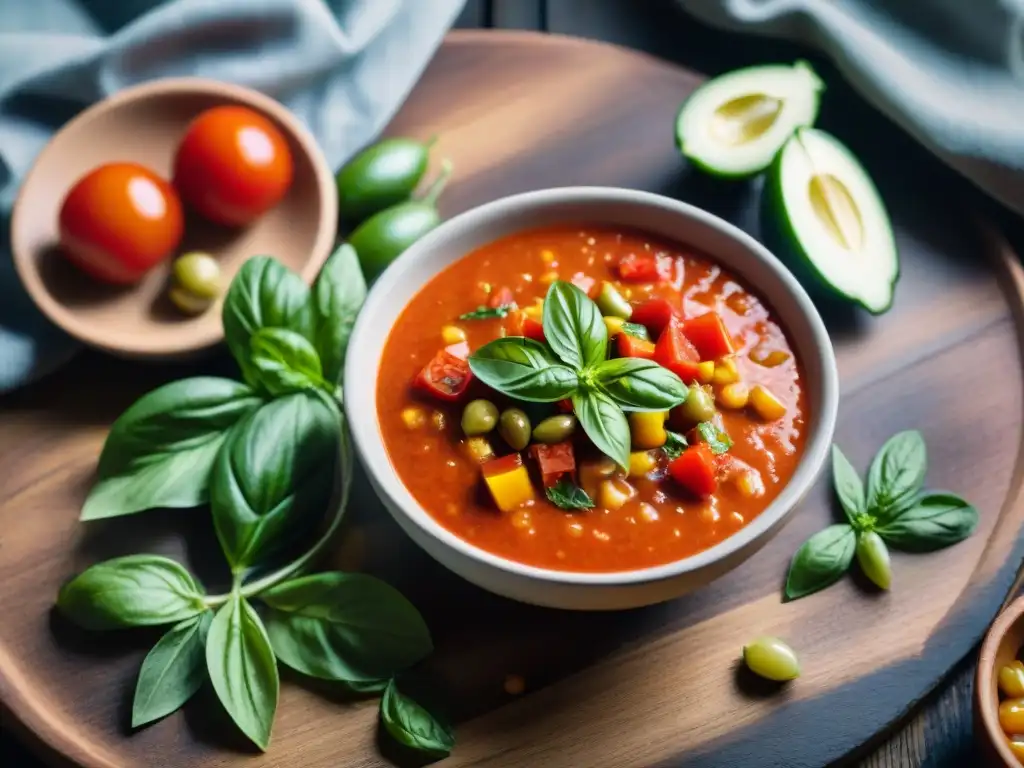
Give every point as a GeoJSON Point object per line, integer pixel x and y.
{"type": "Point", "coordinates": [233, 165]}
{"type": "Point", "coordinates": [118, 221]}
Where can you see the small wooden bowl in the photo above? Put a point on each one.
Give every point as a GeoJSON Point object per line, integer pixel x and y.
{"type": "Point", "coordinates": [144, 124]}
{"type": "Point", "coordinates": [1001, 645]}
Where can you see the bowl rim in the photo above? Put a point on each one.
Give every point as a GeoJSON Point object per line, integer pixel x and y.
{"type": "Point", "coordinates": [203, 338]}
{"type": "Point", "coordinates": [988, 705]}
{"type": "Point", "coordinates": [360, 392]}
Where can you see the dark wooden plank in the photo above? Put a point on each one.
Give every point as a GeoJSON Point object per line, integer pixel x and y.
{"type": "Point", "coordinates": [517, 14]}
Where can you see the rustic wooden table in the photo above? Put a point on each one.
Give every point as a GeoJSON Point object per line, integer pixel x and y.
{"type": "Point", "coordinates": [938, 734]}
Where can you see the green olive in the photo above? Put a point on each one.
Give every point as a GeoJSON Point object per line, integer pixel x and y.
{"type": "Point", "coordinates": [382, 175]}
{"type": "Point", "coordinates": [479, 417]}
{"type": "Point", "coordinates": [699, 404]}
{"type": "Point", "coordinates": [514, 428]}
{"type": "Point", "coordinates": [555, 429]}
{"type": "Point", "coordinates": [772, 659]}
{"type": "Point", "coordinates": [196, 282]}
{"type": "Point", "coordinates": [612, 303]}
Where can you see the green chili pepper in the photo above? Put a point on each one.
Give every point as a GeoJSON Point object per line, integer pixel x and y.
{"type": "Point", "coordinates": [382, 175]}
{"type": "Point", "coordinates": [384, 236]}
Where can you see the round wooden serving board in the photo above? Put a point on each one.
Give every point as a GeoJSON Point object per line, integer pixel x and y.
{"type": "Point", "coordinates": [659, 686]}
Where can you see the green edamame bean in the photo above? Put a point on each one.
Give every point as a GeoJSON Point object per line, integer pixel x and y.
{"type": "Point", "coordinates": [384, 236]}
{"type": "Point", "coordinates": [382, 175]}
{"type": "Point", "coordinates": [612, 303]}
{"type": "Point", "coordinates": [772, 659]}
{"type": "Point", "coordinates": [195, 282]}
{"type": "Point", "coordinates": [514, 428]}
{"type": "Point", "coordinates": [699, 404]}
{"type": "Point", "coordinates": [873, 557]}
{"type": "Point", "coordinates": [479, 417]}
{"type": "Point", "coordinates": [555, 429]}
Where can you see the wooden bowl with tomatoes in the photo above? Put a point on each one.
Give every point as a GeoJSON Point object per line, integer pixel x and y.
{"type": "Point", "coordinates": [171, 168]}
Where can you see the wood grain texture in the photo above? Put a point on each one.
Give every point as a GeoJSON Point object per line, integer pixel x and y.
{"type": "Point", "coordinates": [656, 686]}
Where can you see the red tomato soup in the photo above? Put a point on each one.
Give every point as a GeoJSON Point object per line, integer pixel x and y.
{"type": "Point", "coordinates": [697, 473]}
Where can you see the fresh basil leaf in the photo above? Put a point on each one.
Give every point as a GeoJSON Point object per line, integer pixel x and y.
{"type": "Point", "coordinates": [131, 591]}
{"type": "Point", "coordinates": [160, 451]}
{"type": "Point", "coordinates": [565, 494]}
{"type": "Point", "coordinates": [524, 369]}
{"type": "Point", "coordinates": [935, 521]}
{"type": "Point", "coordinates": [674, 445]}
{"type": "Point", "coordinates": [242, 669]}
{"type": "Point", "coordinates": [413, 726]}
{"type": "Point", "coordinates": [718, 441]}
{"type": "Point", "coordinates": [172, 671]}
{"type": "Point", "coordinates": [639, 385]}
{"type": "Point", "coordinates": [338, 295]}
{"type": "Point", "coordinates": [897, 474]}
{"type": "Point", "coordinates": [637, 331]}
{"type": "Point", "coordinates": [486, 313]}
{"type": "Point", "coordinates": [274, 477]}
{"type": "Point", "coordinates": [821, 561]}
{"type": "Point", "coordinates": [573, 326]}
{"type": "Point", "coordinates": [286, 362]}
{"type": "Point", "coordinates": [345, 626]}
{"type": "Point", "coordinates": [605, 424]}
{"type": "Point", "coordinates": [849, 487]}
{"type": "Point", "coordinates": [264, 294]}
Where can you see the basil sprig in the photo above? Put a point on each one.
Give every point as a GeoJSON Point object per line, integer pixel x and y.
{"type": "Point", "coordinates": [265, 454]}
{"type": "Point", "coordinates": [567, 495]}
{"type": "Point", "coordinates": [892, 510]}
{"type": "Point", "coordinates": [573, 365]}
{"type": "Point", "coordinates": [488, 313]}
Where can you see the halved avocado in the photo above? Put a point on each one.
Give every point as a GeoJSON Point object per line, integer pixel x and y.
{"type": "Point", "coordinates": [829, 214]}
{"type": "Point", "coordinates": [733, 125]}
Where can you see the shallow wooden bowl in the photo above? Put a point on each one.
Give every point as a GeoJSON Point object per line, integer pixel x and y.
{"type": "Point", "coordinates": [1001, 645]}
{"type": "Point", "coordinates": [144, 124]}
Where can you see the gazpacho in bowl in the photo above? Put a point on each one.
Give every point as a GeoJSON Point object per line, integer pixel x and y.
{"type": "Point", "coordinates": [590, 409]}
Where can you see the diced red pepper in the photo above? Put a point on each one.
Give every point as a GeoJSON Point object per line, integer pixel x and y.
{"type": "Point", "coordinates": [503, 297]}
{"type": "Point", "coordinates": [555, 462]}
{"type": "Point", "coordinates": [586, 284]}
{"type": "Point", "coordinates": [459, 350]}
{"type": "Point", "coordinates": [654, 314]}
{"type": "Point", "coordinates": [709, 335]}
{"type": "Point", "coordinates": [565, 406]}
{"type": "Point", "coordinates": [694, 470]}
{"type": "Point", "coordinates": [640, 268]}
{"type": "Point", "coordinates": [675, 352]}
{"type": "Point", "coordinates": [631, 346]}
{"type": "Point", "coordinates": [501, 465]}
{"type": "Point", "coordinates": [446, 377]}
{"type": "Point", "coordinates": [521, 324]}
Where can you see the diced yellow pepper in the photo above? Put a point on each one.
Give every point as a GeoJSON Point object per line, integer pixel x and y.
{"type": "Point", "coordinates": [726, 372]}
{"type": "Point", "coordinates": [614, 325]}
{"type": "Point", "coordinates": [452, 334]}
{"type": "Point", "coordinates": [548, 278]}
{"type": "Point", "coordinates": [478, 449]}
{"type": "Point", "coordinates": [734, 395]}
{"type": "Point", "coordinates": [648, 429]}
{"type": "Point", "coordinates": [510, 490]}
{"type": "Point", "coordinates": [591, 473]}
{"type": "Point", "coordinates": [706, 371]}
{"type": "Point", "coordinates": [641, 463]}
{"type": "Point", "coordinates": [614, 493]}
{"type": "Point", "coordinates": [535, 311]}
{"type": "Point", "coordinates": [766, 404]}
{"type": "Point", "coordinates": [413, 417]}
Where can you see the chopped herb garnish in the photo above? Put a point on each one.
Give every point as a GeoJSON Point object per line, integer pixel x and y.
{"type": "Point", "coordinates": [486, 313]}
{"type": "Point", "coordinates": [674, 445]}
{"type": "Point", "coordinates": [717, 440]}
{"type": "Point", "coordinates": [636, 330]}
{"type": "Point", "coordinates": [568, 495]}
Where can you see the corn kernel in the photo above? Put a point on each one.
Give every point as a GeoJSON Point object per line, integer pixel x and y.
{"type": "Point", "coordinates": [478, 449]}
{"type": "Point", "coordinates": [614, 325]}
{"type": "Point", "coordinates": [765, 404]}
{"type": "Point", "coordinates": [726, 372]}
{"type": "Point", "coordinates": [648, 513]}
{"type": "Point", "coordinates": [648, 429]}
{"type": "Point", "coordinates": [749, 484]}
{"type": "Point", "coordinates": [414, 418]}
{"type": "Point", "coordinates": [535, 312]}
{"type": "Point", "coordinates": [641, 463]}
{"type": "Point", "coordinates": [547, 256]}
{"type": "Point", "coordinates": [614, 493]}
{"type": "Point", "coordinates": [706, 371]}
{"type": "Point", "coordinates": [575, 530]}
{"type": "Point", "coordinates": [548, 278]}
{"type": "Point", "coordinates": [452, 334]}
{"type": "Point", "coordinates": [438, 420]}
{"type": "Point", "coordinates": [734, 395]}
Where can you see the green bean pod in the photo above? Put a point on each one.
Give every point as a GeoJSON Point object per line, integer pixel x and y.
{"type": "Point", "coordinates": [382, 175]}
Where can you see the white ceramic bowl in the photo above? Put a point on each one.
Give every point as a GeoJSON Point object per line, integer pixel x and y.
{"type": "Point", "coordinates": [670, 219]}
